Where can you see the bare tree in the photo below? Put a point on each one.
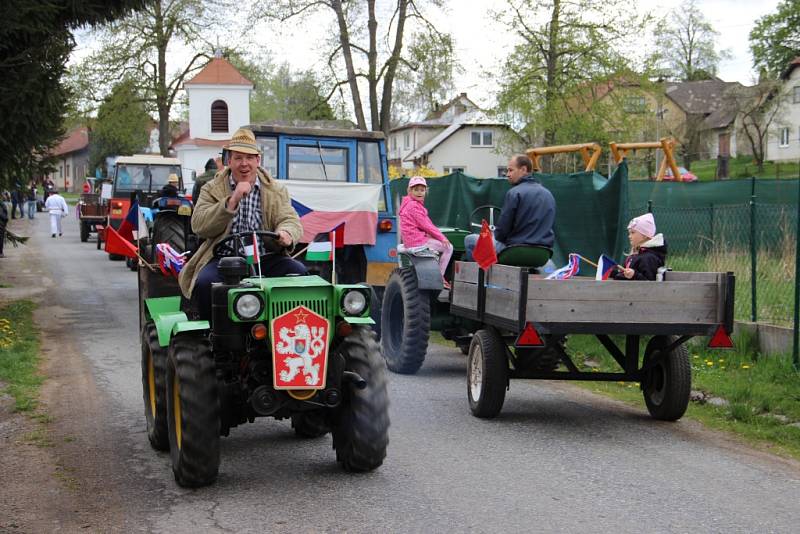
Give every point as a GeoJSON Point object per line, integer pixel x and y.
{"type": "Point", "coordinates": [757, 109]}
{"type": "Point", "coordinates": [368, 56]}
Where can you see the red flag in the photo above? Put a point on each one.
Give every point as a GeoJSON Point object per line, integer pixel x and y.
{"type": "Point", "coordinates": [116, 244]}
{"type": "Point", "coordinates": [484, 252]}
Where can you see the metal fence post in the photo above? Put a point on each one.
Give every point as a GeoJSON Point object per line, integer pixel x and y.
{"type": "Point", "coordinates": [712, 225]}
{"type": "Point", "coordinates": [649, 206]}
{"type": "Point", "coordinates": [795, 358]}
{"type": "Point", "coordinates": [753, 300]}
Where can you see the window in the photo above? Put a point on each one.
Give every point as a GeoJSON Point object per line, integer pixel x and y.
{"type": "Point", "coordinates": [634, 104]}
{"type": "Point", "coordinates": [784, 137]}
{"type": "Point", "coordinates": [501, 171]}
{"type": "Point", "coordinates": [481, 138]}
{"type": "Point", "coordinates": [269, 154]}
{"type": "Point", "coordinates": [796, 95]}
{"type": "Point", "coordinates": [407, 140]}
{"type": "Point", "coordinates": [454, 169]}
{"type": "Point", "coordinates": [369, 168]}
{"type": "Point", "coordinates": [219, 116]}
{"type": "Point", "coordinates": [314, 163]}
{"type": "Point", "coordinates": [394, 143]}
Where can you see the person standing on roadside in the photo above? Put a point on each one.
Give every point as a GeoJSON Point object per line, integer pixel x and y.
{"type": "Point", "coordinates": [58, 209]}
{"type": "Point", "coordinates": [16, 200]}
{"type": "Point", "coordinates": [31, 199]}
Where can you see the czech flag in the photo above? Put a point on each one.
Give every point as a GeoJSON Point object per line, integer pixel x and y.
{"type": "Point", "coordinates": [130, 223]}
{"type": "Point", "coordinates": [568, 271]}
{"type": "Point", "coordinates": [605, 268]}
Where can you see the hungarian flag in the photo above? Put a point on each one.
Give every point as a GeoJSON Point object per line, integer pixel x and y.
{"type": "Point", "coordinates": [484, 252]}
{"type": "Point", "coordinates": [605, 267]}
{"type": "Point", "coordinates": [252, 253]}
{"type": "Point", "coordinates": [568, 271]}
{"type": "Point", "coordinates": [130, 223]}
{"type": "Point", "coordinates": [324, 245]}
{"type": "Point", "coordinates": [116, 244]}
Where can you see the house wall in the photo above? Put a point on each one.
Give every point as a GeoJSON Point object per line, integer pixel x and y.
{"type": "Point", "coordinates": [194, 159]}
{"type": "Point", "coordinates": [418, 138]}
{"type": "Point", "coordinates": [787, 117]}
{"type": "Point", "coordinates": [200, 99]}
{"type": "Point", "coordinates": [456, 151]}
{"type": "Point", "coordinates": [71, 169]}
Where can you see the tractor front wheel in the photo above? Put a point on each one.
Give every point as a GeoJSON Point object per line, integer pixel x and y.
{"type": "Point", "coordinates": [154, 377]}
{"type": "Point", "coordinates": [405, 322]}
{"type": "Point", "coordinates": [193, 411]}
{"type": "Point", "coordinates": [360, 426]}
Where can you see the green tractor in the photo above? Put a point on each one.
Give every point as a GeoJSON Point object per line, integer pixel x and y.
{"type": "Point", "coordinates": [295, 347]}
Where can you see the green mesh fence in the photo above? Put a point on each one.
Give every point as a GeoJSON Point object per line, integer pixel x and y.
{"type": "Point", "coordinates": [736, 238]}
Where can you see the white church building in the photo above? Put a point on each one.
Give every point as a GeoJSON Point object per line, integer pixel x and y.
{"type": "Point", "coordinates": [219, 104]}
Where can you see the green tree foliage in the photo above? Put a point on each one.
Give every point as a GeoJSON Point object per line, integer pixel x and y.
{"type": "Point", "coordinates": [686, 48]}
{"type": "Point", "coordinates": [35, 43]}
{"type": "Point", "coordinates": [568, 54]}
{"type": "Point", "coordinates": [775, 38]}
{"type": "Point", "coordinates": [138, 46]}
{"type": "Point", "coordinates": [363, 49]}
{"type": "Point", "coordinates": [122, 125]}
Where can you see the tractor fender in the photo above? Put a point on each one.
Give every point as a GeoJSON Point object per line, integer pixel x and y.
{"type": "Point", "coordinates": [427, 271]}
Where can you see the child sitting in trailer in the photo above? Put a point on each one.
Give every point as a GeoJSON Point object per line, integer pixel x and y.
{"type": "Point", "coordinates": [648, 250]}
{"type": "Point", "coordinates": [417, 229]}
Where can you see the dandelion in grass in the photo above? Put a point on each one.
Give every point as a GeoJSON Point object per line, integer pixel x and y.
{"type": "Point", "coordinates": [721, 360]}
{"type": "Point", "coordinates": [696, 357]}
{"type": "Point", "coordinates": [745, 366]}
{"type": "Point", "coordinates": [710, 364]}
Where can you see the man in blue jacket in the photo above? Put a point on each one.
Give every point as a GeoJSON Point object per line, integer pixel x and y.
{"type": "Point", "coordinates": [529, 211]}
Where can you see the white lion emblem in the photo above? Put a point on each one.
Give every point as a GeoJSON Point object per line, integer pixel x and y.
{"type": "Point", "coordinates": [303, 344]}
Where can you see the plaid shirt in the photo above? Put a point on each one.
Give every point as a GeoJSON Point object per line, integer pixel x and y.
{"type": "Point", "coordinates": [248, 216]}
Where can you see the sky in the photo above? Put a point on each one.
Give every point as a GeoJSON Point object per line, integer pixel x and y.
{"type": "Point", "coordinates": [482, 41]}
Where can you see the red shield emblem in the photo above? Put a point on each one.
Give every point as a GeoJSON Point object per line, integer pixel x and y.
{"type": "Point", "coordinates": [299, 349]}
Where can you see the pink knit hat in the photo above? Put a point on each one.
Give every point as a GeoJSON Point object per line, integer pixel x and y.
{"type": "Point", "coordinates": [644, 224]}
{"type": "Point", "coordinates": [417, 180]}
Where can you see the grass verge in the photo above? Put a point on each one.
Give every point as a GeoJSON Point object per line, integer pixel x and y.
{"type": "Point", "coordinates": [758, 398]}
{"type": "Point", "coordinates": [19, 354]}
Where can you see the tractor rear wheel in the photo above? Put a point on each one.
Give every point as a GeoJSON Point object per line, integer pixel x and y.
{"type": "Point", "coordinates": [154, 388]}
{"type": "Point", "coordinates": [405, 322]}
{"type": "Point", "coordinates": [667, 382]}
{"type": "Point", "coordinates": [360, 425]}
{"type": "Point", "coordinates": [487, 374]}
{"type": "Point", "coordinates": [168, 227]}
{"type": "Point", "coordinates": [193, 411]}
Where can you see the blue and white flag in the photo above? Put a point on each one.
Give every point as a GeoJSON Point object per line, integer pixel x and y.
{"type": "Point", "coordinates": [567, 271]}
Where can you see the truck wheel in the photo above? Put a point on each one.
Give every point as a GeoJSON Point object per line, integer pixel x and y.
{"type": "Point", "coordinates": [168, 228]}
{"type": "Point", "coordinates": [84, 231]}
{"type": "Point", "coordinates": [154, 376]}
{"type": "Point", "coordinates": [667, 384]}
{"type": "Point", "coordinates": [132, 264]}
{"type": "Point", "coordinates": [193, 411]}
{"type": "Point", "coordinates": [360, 426]}
{"type": "Point", "coordinates": [115, 257]}
{"type": "Point", "coordinates": [310, 424]}
{"type": "Point", "coordinates": [487, 374]}
{"type": "Point", "coordinates": [405, 323]}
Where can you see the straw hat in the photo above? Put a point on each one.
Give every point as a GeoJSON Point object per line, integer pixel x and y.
{"type": "Point", "coordinates": [243, 141]}
{"type": "Point", "coordinates": [173, 178]}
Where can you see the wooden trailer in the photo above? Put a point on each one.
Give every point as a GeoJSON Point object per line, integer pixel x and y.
{"type": "Point", "coordinates": [526, 318]}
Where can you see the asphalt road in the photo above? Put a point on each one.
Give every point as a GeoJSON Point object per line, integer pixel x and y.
{"type": "Point", "coordinates": [556, 459]}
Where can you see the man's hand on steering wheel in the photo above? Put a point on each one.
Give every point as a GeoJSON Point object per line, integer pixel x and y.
{"type": "Point", "coordinates": [284, 238]}
{"type": "Point", "coordinates": [234, 244]}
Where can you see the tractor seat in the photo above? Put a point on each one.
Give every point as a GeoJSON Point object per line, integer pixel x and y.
{"type": "Point", "coordinates": [524, 255]}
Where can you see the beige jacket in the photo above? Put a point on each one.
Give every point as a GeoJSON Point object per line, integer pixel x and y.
{"type": "Point", "coordinates": [211, 220]}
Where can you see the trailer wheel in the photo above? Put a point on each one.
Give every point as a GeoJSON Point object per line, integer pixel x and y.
{"type": "Point", "coordinates": [193, 411]}
{"type": "Point", "coordinates": [487, 374]}
{"type": "Point", "coordinates": [84, 231]}
{"type": "Point", "coordinates": [405, 323]}
{"type": "Point", "coordinates": [360, 426]}
{"type": "Point", "coordinates": [154, 377]}
{"type": "Point", "coordinates": [310, 424]}
{"type": "Point", "coordinates": [666, 385]}
{"type": "Point", "coordinates": [168, 228]}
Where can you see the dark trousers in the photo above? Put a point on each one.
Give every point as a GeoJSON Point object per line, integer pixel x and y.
{"type": "Point", "coordinates": [272, 265]}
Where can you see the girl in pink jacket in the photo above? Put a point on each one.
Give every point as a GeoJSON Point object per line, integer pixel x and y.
{"type": "Point", "coordinates": [416, 227]}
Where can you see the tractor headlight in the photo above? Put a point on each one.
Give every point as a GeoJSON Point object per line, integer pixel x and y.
{"type": "Point", "coordinates": [247, 306]}
{"type": "Point", "coordinates": [354, 302]}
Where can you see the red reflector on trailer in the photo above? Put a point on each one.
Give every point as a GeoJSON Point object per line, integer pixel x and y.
{"type": "Point", "coordinates": [720, 340]}
{"type": "Point", "coordinates": [529, 337]}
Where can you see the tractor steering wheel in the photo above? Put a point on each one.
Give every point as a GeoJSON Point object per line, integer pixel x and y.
{"type": "Point", "coordinates": [489, 212]}
{"type": "Point", "coordinates": [234, 244]}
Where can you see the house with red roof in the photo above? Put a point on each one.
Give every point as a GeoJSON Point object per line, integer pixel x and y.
{"type": "Point", "coordinates": [72, 160]}
{"type": "Point", "coordinates": [219, 104]}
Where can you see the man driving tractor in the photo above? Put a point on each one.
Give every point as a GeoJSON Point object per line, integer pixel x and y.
{"type": "Point", "coordinates": [242, 197]}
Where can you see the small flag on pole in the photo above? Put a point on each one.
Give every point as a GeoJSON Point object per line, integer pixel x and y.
{"type": "Point", "coordinates": [324, 245]}
{"type": "Point", "coordinates": [568, 271]}
{"type": "Point", "coordinates": [130, 222]}
{"type": "Point", "coordinates": [484, 253]}
{"type": "Point", "coordinates": [251, 252]}
{"type": "Point", "coordinates": [605, 267]}
{"type": "Point", "coordinates": [116, 244]}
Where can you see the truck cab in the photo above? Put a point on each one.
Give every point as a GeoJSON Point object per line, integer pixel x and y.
{"type": "Point", "coordinates": [141, 176]}
{"type": "Point", "coordinates": [304, 156]}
